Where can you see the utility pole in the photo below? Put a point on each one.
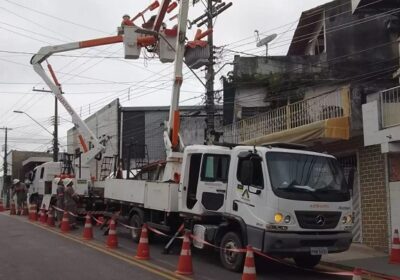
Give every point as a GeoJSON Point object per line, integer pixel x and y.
{"type": "Point", "coordinates": [6, 180]}
{"type": "Point", "coordinates": [5, 165]}
{"type": "Point", "coordinates": [210, 75]}
{"type": "Point", "coordinates": [55, 133]}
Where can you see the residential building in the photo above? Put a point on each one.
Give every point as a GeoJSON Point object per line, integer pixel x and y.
{"type": "Point", "coordinates": [336, 61]}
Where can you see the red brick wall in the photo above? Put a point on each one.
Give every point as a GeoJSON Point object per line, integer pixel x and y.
{"type": "Point", "coordinates": [373, 197]}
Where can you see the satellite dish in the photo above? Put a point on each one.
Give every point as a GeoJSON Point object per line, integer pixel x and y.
{"type": "Point", "coordinates": [266, 41]}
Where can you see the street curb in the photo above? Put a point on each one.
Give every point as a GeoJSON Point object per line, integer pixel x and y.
{"type": "Point", "coordinates": [350, 268]}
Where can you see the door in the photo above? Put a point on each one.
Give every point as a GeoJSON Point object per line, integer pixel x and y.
{"type": "Point", "coordinates": [213, 181]}
{"type": "Point", "coordinates": [248, 195]}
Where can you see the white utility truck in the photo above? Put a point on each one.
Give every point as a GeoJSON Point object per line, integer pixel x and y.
{"type": "Point", "coordinates": [279, 198]}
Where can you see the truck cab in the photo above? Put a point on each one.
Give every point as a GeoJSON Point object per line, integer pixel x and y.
{"type": "Point", "coordinates": [282, 201]}
{"type": "Point", "coordinates": [41, 181]}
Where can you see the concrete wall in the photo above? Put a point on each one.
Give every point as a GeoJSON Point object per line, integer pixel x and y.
{"type": "Point", "coordinates": [366, 42]}
{"type": "Point", "coordinates": [103, 122]}
{"type": "Point", "coordinates": [394, 189]}
{"type": "Point", "coordinates": [16, 158]}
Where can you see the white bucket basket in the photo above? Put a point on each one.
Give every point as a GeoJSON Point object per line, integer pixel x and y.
{"type": "Point", "coordinates": [132, 50]}
{"type": "Point", "coordinates": [166, 51]}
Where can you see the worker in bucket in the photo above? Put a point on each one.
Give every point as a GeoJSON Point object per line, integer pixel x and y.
{"type": "Point", "coordinates": [70, 201]}
{"type": "Point", "coordinates": [126, 21]}
{"type": "Point", "coordinates": [60, 199]}
{"type": "Point", "coordinates": [19, 189]}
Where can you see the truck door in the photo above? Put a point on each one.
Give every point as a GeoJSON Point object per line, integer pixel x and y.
{"type": "Point", "coordinates": [213, 181]}
{"type": "Point", "coordinates": [248, 195]}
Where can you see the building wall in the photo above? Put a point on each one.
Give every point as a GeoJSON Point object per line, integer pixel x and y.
{"type": "Point", "coordinates": [374, 197]}
{"type": "Point", "coordinates": [15, 159]}
{"type": "Point", "coordinates": [103, 122]}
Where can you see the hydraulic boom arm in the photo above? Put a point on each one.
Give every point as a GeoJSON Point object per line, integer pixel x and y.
{"type": "Point", "coordinates": [83, 129]}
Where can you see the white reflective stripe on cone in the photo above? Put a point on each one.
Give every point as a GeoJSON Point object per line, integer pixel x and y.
{"type": "Point", "coordinates": [111, 231]}
{"type": "Point", "coordinates": [396, 246]}
{"type": "Point", "coordinates": [88, 225]}
{"type": "Point", "coordinates": [249, 270]}
{"type": "Point", "coordinates": [185, 252]}
{"type": "Point", "coordinates": [144, 240]}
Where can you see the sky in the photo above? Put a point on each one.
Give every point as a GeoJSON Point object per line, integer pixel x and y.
{"type": "Point", "coordinates": [92, 78]}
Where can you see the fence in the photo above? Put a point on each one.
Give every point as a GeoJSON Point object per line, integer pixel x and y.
{"type": "Point", "coordinates": [390, 107]}
{"type": "Point", "coordinates": [331, 105]}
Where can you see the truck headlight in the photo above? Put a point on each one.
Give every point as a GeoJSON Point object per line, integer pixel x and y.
{"type": "Point", "coordinates": [348, 219]}
{"type": "Point", "coordinates": [278, 218]}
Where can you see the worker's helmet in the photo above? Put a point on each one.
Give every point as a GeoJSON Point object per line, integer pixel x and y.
{"type": "Point", "coordinates": [58, 181]}
{"type": "Point", "coordinates": [68, 181]}
{"type": "Point", "coordinates": [15, 181]}
{"type": "Point", "coordinates": [126, 16]}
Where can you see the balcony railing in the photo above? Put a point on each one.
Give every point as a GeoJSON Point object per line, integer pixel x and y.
{"type": "Point", "coordinates": [390, 107]}
{"type": "Point", "coordinates": [331, 105]}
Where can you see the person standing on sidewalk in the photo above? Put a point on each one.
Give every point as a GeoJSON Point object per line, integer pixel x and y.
{"type": "Point", "coordinates": [60, 198]}
{"type": "Point", "coordinates": [70, 199]}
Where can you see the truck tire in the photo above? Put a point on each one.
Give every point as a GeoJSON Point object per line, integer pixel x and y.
{"type": "Point", "coordinates": [307, 261]}
{"type": "Point", "coordinates": [137, 222]}
{"type": "Point", "coordinates": [231, 260]}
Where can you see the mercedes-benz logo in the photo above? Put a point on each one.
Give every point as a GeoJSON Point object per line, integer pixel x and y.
{"type": "Point", "coordinates": [320, 220]}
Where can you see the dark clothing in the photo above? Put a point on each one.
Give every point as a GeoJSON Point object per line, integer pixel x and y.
{"type": "Point", "coordinates": [70, 203]}
{"type": "Point", "coordinates": [60, 202]}
{"type": "Point", "coordinates": [20, 191]}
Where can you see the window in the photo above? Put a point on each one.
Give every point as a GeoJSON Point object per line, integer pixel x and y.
{"type": "Point", "coordinates": [252, 165]}
{"type": "Point", "coordinates": [41, 172]}
{"type": "Point", "coordinates": [215, 168]}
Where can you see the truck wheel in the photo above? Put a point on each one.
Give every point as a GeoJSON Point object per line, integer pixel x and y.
{"type": "Point", "coordinates": [307, 261]}
{"type": "Point", "coordinates": [137, 222]}
{"type": "Point", "coordinates": [231, 260]}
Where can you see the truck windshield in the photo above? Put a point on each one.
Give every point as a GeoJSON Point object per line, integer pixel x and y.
{"type": "Point", "coordinates": [306, 177]}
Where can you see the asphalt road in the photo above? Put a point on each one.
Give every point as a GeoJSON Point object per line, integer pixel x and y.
{"type": "Point", "coordinates": [31, 251]}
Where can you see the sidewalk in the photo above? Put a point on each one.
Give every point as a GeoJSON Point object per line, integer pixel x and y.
{"type": "Point", "coordinates": [361, 256]}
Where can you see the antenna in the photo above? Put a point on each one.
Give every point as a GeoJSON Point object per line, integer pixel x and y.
{"type": "Point", "coordinates": [266, 41]}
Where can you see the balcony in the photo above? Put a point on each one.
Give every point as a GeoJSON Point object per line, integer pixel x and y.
{"type": "Point", "coordinates": [381, 120]}
{"type": "Point", "coordinates": [390, 106]}
{"type": "Point", "coordinates": [318, 118]}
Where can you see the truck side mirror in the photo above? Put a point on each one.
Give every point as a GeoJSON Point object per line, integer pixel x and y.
{"type": "Point", "coordinates": [246, 172]}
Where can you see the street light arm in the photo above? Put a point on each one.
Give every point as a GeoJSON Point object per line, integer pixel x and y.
{"type": "Point", "coordinates": [38, 123]}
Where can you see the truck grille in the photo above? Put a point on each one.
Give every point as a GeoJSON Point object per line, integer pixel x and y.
{"type": "Point", "coordinates": [317, 220]}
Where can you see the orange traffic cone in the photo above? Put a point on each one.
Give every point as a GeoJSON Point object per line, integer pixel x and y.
{"type": "Point", "coordinates": [395, 253]}
{"type": "Point", "coordinates": [357, 274]}
{"type": "Point", "coordinates": [12, 208]}
{"type": "Point", "coordinates": [88, 230]}
{"type": "Point", "coordinates": [50, 218]}
{"type": "Point", "coordinates": [185, 266]}
{"type": "Point", "coordinates": [1, 206]}
{"type": "Point", "coordinates": [143, 251]}
{"type": "Point", "coordinates": [112, 241]}
{"type": "Point", "coordinates": [65, 223]}
{"type": "Point", "coordinates": [43, 216]}
{"type": "Point", "coordinates": [32, 212]}
{"type": "Point", "coordinates": [249, 269]}
{"type": "Point", "coordinates": [25, 211]}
